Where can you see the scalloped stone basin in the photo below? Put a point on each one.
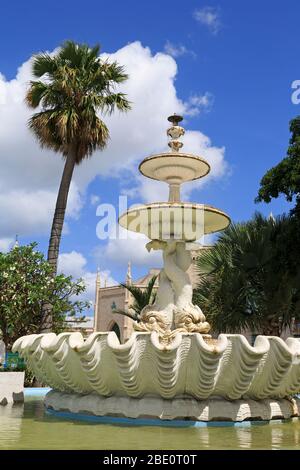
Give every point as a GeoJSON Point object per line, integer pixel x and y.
{"type": "Point", "coordinates": [174, 168]}
{"type": "Point", "coordinates": [179, 220]}
{"type": "Point", "coordinates": [187, 367]}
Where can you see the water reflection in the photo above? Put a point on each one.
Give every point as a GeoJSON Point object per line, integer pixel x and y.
{"type": "Point", "coordinates": [204, 438]}
{"type": "Point", "coordinates": [10, 423]}
{"type": "Point", "coordinates": [28, 427]}
{"type": "Point", "coordinates": [244, 437]}
{"type": "Point", "coordinates": [276, 437]}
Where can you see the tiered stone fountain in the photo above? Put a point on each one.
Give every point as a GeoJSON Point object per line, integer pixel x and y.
{"type": "Point", "coordinates": [170, 368]}
{"type": "Point", "coordinates": [172, 227]}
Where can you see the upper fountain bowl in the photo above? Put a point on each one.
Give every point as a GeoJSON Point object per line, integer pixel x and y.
{"type": "Point", "coordinates": [174, 168]}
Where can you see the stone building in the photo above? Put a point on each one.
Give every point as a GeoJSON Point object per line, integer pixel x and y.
{"type": "Point", "coordinates": [108, 299]}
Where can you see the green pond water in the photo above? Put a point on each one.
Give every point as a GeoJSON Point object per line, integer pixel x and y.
{"type": "Point", "coordinates": [28, 426]}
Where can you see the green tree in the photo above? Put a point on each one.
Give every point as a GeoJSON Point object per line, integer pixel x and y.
{"type": "Point", "coordinates": [245, 281]}
{"type": "Point", "coordinates": [77, 85]}
{"type": "Point", "coordinates": [141, 298]}
{"type": "Point", "coordinates": [26, 283]}
{"type": "Point", "coordinates": [284, 178]}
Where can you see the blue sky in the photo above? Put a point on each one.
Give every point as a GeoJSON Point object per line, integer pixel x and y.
{"type": "Point", "coordinates": [235, 61]}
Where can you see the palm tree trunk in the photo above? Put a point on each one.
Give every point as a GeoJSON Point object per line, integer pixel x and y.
{"type": "Point", "coordinates": [60, 210]}
{"type": "Point", "coordinates": [56, 229]}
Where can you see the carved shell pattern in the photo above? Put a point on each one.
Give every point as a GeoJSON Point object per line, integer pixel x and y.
{"type": "Point", "coordinates": [187, 366]}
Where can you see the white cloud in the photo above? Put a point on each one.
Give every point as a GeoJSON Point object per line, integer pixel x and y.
{"type": "Point", "coordinates": [94, 199]}
{"type": "Point", "coordinates": [74, 264]}
{"type": "Point", "coordinates": [30, 176]}
{"type": "Point", "coordinates": [210, 17]}
{"type": "Point", "coordinates": [128, 246]}
{"type": "Point", "coordinates": [25, 211]}
{"type": "Point", "coordinates": [121, 251]}
{"type": "Point", "coordinates": [75, 201]}
{"type": "Point", "coordinates": [150, 190]}
{"type": "Point", "coordinates": [197, 103]}
{"type": "Point", "coordinates": [6, 244]}
{"type": "Point", "coordinates": [177, 50]}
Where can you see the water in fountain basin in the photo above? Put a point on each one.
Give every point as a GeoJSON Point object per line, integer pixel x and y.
{"type": "Point", "coordinates": [28, 426]}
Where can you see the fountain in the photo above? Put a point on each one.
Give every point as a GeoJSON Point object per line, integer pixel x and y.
{"type": "Point", "coordinates": [172, 227]}
{"type": "Point", "coordinates": [170, 369]}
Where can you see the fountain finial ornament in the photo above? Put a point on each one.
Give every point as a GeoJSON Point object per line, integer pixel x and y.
{"type": "Point", "coordinates": [175, 132]}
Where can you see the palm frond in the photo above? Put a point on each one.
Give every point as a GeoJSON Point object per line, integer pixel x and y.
{"type": "Point", "coordinates": [36, 93]}
{"type": "Point", "coordinates": [133, 316]}
{"type": "Point", "coordinates": [115, 100]}
{"type": "Point", "coordinates": [114, 72]}
{"type": "Point", "coordinates": [150, 296]}
{"type": "Point", "coordinates": [44, 64]}
{"type": "Point", "coordinates": [78, 87]}
{"type": "Point", "coordinates": [244, 280]}
{"type": "Point", "coordinates": [141, 298]}
{"type": "Point", "coordinates": [137, 293]}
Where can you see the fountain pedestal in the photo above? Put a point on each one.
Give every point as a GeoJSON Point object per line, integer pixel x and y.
{"type": "Point", "coordinates": [186, 410]}
{"type": "Point", "coordinates": [173, 309]}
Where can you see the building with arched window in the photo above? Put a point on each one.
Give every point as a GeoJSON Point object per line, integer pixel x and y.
{"type": "Point", "coordinates": [113, 298]}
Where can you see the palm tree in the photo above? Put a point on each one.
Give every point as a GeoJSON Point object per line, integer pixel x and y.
{"type": "Point", "coordinates": [77, 85]}
{"type": "Point", "coordinates": [245, 281]}
{"type": "Point", "coordinates": [141, 298]}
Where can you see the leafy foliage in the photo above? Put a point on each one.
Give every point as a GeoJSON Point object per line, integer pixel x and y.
{"type": "Point", "coordinates": [246, 280]}
{"type": "Point", "coordinates": [141, 298]}
{"type": "Point", "coordinates": [26, 283]}
{"type": "Point", "coordinates": [284, 178]}
{"type": "Point", "coordinates": [76, 85]}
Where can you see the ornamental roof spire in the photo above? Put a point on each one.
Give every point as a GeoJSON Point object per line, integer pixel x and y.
{"type": "Point", "coordinates": [128, 274]}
